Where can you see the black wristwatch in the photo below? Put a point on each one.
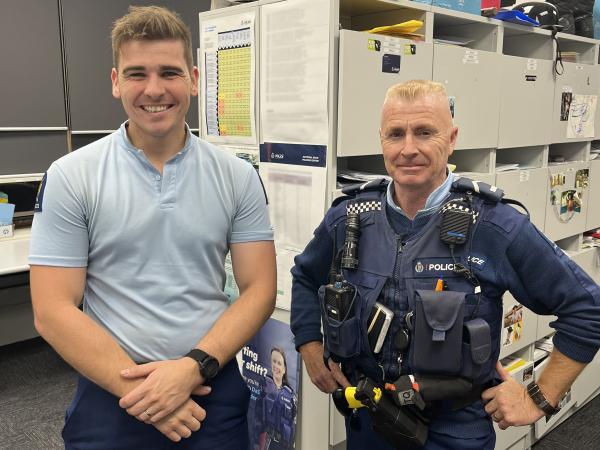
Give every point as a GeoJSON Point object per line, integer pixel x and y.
{"type": "Point", "coordinates": [540, 400]}
{"type": "Point", "coordinates": [208, 365]}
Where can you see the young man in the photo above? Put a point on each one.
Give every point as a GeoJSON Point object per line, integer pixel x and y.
{"type": "Point", "coordinates": [137, 226]}
{"type": "Point", "coordinates": [401, 261]}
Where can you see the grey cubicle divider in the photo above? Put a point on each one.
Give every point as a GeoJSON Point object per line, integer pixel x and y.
{"type": "Point", "coordinates": [87, 25]}
{"type": "Point", "coordinates": [32, 76]}
{"type": "Point", "coordinates": [30, 151]}
{"type": "Point", "coordinates": [81, 140]}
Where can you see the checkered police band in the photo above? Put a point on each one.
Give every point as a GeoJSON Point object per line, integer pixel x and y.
{"type": "Point", "coordinates": [450, 205]}
{"type": "Point", "coordinates": [363, 207]}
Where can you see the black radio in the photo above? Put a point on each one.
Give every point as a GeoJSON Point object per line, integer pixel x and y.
{"type": "Point", "coordinates": [339, 299]}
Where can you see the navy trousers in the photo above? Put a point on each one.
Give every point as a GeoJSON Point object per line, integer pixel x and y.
{"type": "Point", "coordinates": [94, 420]}
{"type": "Point", "coordinates": [366, 438]}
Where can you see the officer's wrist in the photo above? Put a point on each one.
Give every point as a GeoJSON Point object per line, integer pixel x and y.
{"type": "Point", "coordinates": [546, 404]}
{"type": "Point", "coordinates": [191, 370]}
{"type": "Point", "coordinates": [551, 395]}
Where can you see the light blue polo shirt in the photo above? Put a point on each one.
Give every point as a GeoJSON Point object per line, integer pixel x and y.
{"type": "Point", "coordinates": [154, 245]}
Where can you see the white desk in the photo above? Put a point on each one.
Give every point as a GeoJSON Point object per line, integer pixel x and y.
{"type": "Point", "coordinates": [14, 251]}
{"type": "Point", "coordinates": [16, 316]}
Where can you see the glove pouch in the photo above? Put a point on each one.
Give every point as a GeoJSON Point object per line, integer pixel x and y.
{"type": "Point", "coordinates": [477, 347]}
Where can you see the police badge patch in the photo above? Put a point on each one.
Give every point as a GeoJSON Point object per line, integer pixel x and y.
{"type": "Point", "coordinates": [40, 195]}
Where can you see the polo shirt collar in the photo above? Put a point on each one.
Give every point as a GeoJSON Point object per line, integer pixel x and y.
{"type": "Point", "coordinates": [124, 138]}
{"type": "Point", "coordinates": [433, 202]}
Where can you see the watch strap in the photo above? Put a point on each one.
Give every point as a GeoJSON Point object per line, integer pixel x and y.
{"type": "Point", "coordinates": [540, 400]}
{"type": "Point", "coordinates": [208, 365]}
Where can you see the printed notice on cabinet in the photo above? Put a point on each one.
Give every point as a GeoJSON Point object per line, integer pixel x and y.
{"type": "Point", "coordinates": [582, 116]}
{"type": "Point", "coordinates": [295, 71]}
{"type": "Point", "coordinates": [227, 80]}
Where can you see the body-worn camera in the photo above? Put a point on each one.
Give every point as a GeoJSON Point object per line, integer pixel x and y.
{"type": "Point", "coordinates": [339, 297]}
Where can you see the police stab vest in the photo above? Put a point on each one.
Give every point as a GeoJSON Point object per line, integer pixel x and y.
{"type": "Point", "coordinates": [454, 332]}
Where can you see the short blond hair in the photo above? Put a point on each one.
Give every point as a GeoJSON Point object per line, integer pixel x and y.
{"type": "Point", "coordinates": [151, 23]}
{"type": "Point", "coordinates": [414, 89]}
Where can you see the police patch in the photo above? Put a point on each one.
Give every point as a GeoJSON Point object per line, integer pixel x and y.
{"type": "Point", "coordinates": [39, 199]}
{"type": "Point", "coordinates": [477, 261]}
{"type": "Point", "coordinates": [433, 267]}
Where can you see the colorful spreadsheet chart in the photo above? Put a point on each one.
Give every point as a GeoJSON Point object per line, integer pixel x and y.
{"type": "Point", "coordinates": [234, 65]}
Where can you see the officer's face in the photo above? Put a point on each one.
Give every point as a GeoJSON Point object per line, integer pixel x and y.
{"type": "Point", "coordinates": [417, 138]}
{"type": "Point", "coordinates": [155, 84]}
{"type": "Point", "coordinates": [277, 365]}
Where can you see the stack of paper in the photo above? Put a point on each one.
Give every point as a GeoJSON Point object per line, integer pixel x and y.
{"type": "Point", "coordinates": [452, 40]}
{"type": "Point", "coordinates": [513, 363]}
{"type": "Point", "coordinates": [545, 344]}
{"type": "Point", "coordinates": [570, 56]}
{"type": "Point", "coordinates": [405, 29]}
{"type": "Point", "coordinates": [354, 176]}
{"type": "Point", "coordinates": [506, 167]}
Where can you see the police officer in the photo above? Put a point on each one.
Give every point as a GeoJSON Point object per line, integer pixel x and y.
{"type": "Point", "coordinates": [279, 405]}
{"type": "Point", "coordinates": [401, 263]}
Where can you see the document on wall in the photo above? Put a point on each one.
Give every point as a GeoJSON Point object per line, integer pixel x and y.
{"type": "Point", "coordinates": [285, 262]}
{"type": "Point", "coordinates": [582, 115]}
{"type": "Point", "coordinates": [295, 71]}
{"type": "Point", "coordinates": [295, 212]}
{"type": "Point", "coordinates": [227, 81]}
{"type": "Point", "coordinates": [295, 179]}
{"type": "Point", "coordinates": [245, 152]}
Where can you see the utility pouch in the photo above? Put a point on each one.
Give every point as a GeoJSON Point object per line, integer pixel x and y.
{"type": "Point", "coordinates": [477, 347]}
{"type": "Point", "coordinates": [342, 337]}
{"type": "Point", "coordinates": [438, 332]}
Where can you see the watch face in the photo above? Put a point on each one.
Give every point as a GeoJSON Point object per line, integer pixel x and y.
{"type": "Point", "coordinates": [209, 368]}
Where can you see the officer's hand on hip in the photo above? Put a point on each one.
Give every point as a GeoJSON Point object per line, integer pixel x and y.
{"type": "Point", "coordinates": [509, 404]}
{"type": "Point", "coordinates": [320, 375]}
{"type": "Point", "coordinates": [182, 422]}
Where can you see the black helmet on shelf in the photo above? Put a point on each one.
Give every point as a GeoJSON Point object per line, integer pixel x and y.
{"type": "Point", "coordinates": [546, 14]}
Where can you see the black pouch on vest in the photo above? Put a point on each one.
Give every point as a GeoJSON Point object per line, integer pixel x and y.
{"type": "Point", "coordinates": [342, 337]}
{"type": "Point", "coordinates": [477, 347]}
{"type": "Point", "coordinates": [438, 332]}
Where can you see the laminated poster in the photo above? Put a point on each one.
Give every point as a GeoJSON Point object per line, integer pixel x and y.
{"type": "Point", "coordinates": [271, 369]}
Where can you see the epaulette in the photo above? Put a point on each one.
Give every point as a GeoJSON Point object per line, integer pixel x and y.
{"type": "Point", "coordinates": [487, 192]}
{"type": "Point", "coordinates": [351, 191]}
{"type": "Point", "coordinates": [379, 184]}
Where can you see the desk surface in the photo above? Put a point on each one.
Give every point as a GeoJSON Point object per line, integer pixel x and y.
{"type": "Point", "coordinates": [14, 252]}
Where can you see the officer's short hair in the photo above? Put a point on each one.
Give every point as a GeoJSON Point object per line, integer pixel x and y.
{"type": "Point", "coordinates": [414, 89]}
{"type": "Point", "coordinates": [151, 23]}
